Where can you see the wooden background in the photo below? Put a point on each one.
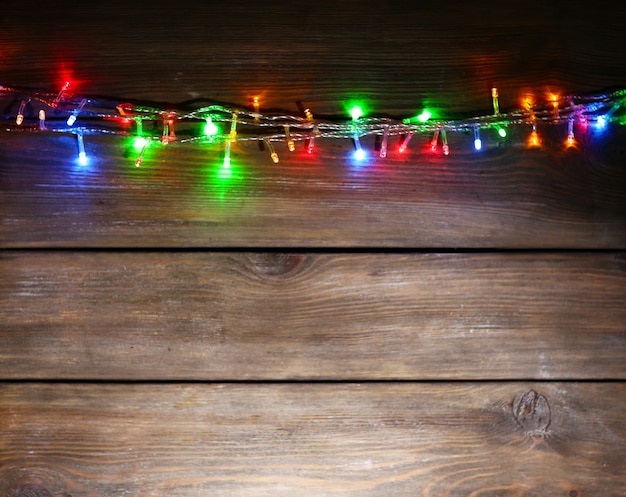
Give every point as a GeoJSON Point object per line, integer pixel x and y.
{"type": "Point", "coordinates": [418, 326]}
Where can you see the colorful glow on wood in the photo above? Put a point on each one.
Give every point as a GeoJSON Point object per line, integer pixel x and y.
{"type": "Point", "coordinates": [82, 115]}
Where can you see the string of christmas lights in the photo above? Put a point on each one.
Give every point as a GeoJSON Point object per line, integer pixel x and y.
{"type": "Point", "coordinates": [68, 113]}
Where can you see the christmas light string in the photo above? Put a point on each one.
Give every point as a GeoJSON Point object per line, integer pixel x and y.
{"type": "Point", "coordinates": [81, 115]}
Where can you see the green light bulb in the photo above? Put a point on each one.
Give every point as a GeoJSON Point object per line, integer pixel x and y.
{"type": "Point", "coordinates": [356, 112]}
{"type": "Point", "coordinates": [225, 172]}
{"type": "Point", "coordinates": [139, 143]}
{"type": "Point", "coordinates": [210, 128]}
{"type": "Point", "coordinates": [424, 116]}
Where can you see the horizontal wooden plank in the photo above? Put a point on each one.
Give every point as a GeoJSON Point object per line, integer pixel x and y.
{"type": "Point", "coordinates": [564, 439]}
{"type": "Point", "coordinates": [223, 316]}
{"type": "Point", "coordinates": [325, 55]}
{"type": "Point", "coordinates": [509, 197]}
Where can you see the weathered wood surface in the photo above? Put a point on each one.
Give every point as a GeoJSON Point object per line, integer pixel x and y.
{"type": "Point", "coordinates": [252, 314]}
{"type": "Point", "coordinates": [395, 58]}
{"type": "Point", "coordinates": [506, 198]}
{"type": "Point", "coordinates": [217, 316]}
{"type": "Point", "coordinates": [511, 439]}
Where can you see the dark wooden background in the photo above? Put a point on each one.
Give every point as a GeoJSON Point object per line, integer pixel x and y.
{"type": "Point", "coordinates": [421, 325]}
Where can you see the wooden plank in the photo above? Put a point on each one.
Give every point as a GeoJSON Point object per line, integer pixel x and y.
{"type": "Point", "coordinates": [228, 316]}
{"type": "Point", "coordinates": [430, 440]}
{"type": "Point", "coordinates": [324, 55]}
{"type": "Point", "coordinates": [506, 198]}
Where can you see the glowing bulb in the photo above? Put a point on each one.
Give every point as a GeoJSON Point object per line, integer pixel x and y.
{"type": "Point", "coordinates": [232, 136]}
{"type": "Point", "coordinates": [383, 146]}
{"type": "Point", "coordinates": [496, 104]}
{"type": "Point", "coordinates": [142, 144]}
{"type": "Point", "coordinates": [356, 112]}
{"type": "Point", "coordinates": [478, 144]}
{"type": "Point", "coordinates": [555, 104]}
{"type": "Point", "coordinates": [257, 105]}
{"type": "Point", "coordinates": [444, 142]}
{"type": "Point", "coordinates": [82, 156]}
{"type": "Point", "coordinates": [290, 144]}
{"type": "Point", "coordinates": [72, 119]}
{"type": "Point", "coordinates": [225, 172]}
{"type": "Point", "coordinates": [227, 154]}
{"type": "Point", "coordinates": [273, 153]}
{"type": "Point", "coordinates": [139, 142]}
{"type": "Point", "coordinates": [533, 140]}
{"type": "Point", "coordinates": [20, 114]}
{"type": "Point", "coordinates": [435, 139]}
{"type": "Point", "coordinates": [424, 116]}
{"type": "Point", "coordinates": [58, 98]}
{"type": "Point", "coordinates": [405, 142]}
{"type": "Point", "coordinates": [603, 120]}
{"type": "Point", "coordinates": [502, 132]}
{"type": "Point", "coordinates": [210, 128]}
{"type": "Point", "coordinates": [359, 154]}
{"type": "Point", "coordinates": [168, 130]}
{"type": "Point", "coordinates": [310, 144]}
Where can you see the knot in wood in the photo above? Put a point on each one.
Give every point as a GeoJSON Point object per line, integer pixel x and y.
{"type": "Point", "coordinates": [31, 482]}
{"type": "Point", "coordinates": [28, 490]}
{"type": "Point", "coordinates": [277, 265]}
{"type": "Point", "coordinates": [531, 410]}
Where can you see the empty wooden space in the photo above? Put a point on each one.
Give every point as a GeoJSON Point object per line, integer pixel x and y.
{"type": "Point", "coordinates": [233, 316]}
{"type": "Point", "coordinates": [304, 439]}
{"type": "Point", "coordinates": [419, 325]}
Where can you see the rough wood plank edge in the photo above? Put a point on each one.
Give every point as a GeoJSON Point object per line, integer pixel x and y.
{"type": "Point", "coordinates": [272, 316]}
{"type": "Point", "coordinates": [506, 439]}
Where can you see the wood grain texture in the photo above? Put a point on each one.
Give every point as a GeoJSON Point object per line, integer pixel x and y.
{"type": "Point", "coordinates": [513, 439]}
{"type": "Point", "coordinates": [507, 198]}
{"type": "Point", "coordinates": [209, 305]}
{"type": "Point", "coordinates": [217, 316]}
{"type": "Point", "coordinates": [393, 55]}
{"type": "Point", "coordinates": [395, 58]}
